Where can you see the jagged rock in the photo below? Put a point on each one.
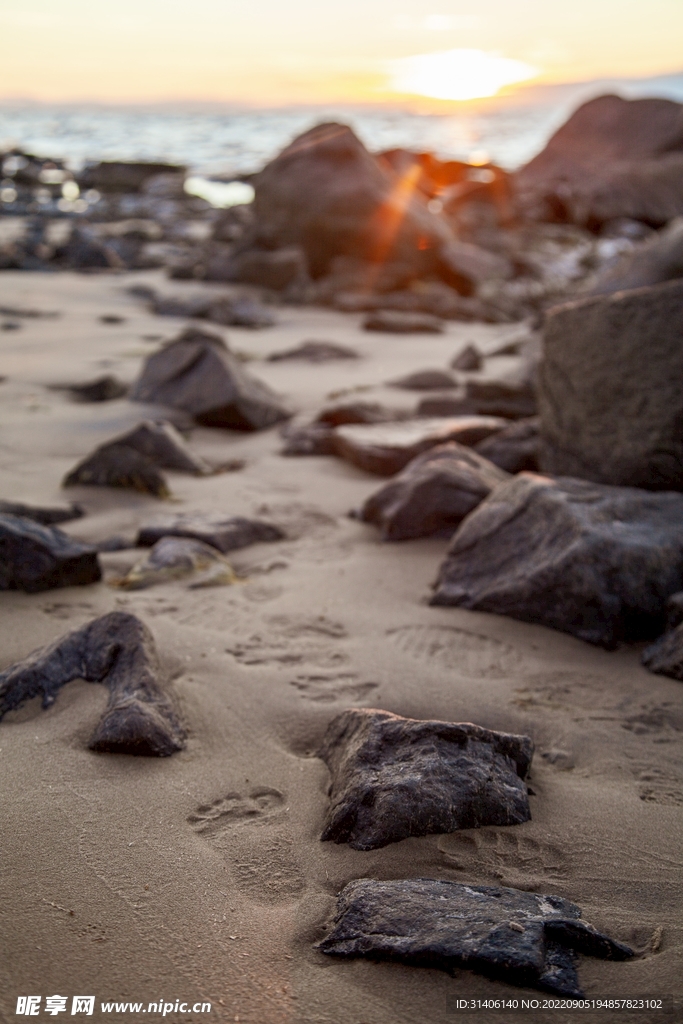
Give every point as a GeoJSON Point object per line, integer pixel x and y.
{"type": "Point", "coordinates": [425, 380]}
{"type": "Point", "coordinates": [523, 938]}
{"type": "Point", "coordinates": [613, 158]}
{"type": "Point", "coordinates": [102, 389]}
{"type": "Point", "coordinates": [165, 446]}
{"type": "Point", "coordinates": [609, 396]}
{"type": "Point", "coordinates": [514, 449]}
{"type": "Point", "coordinates": [433, 494]}
{"type": "Point", "coordinates": [226, 533]}
{"type": "Point", "coordinates": [117, 465]}
{"type": "Point", "coordinates": [314, 352]}
{"type": "Point", "coordinates": [470, 358]}
{"type": "Point", "coordinates": [385, 448]}
{"type": "Point", "coordinates": [392, 322]}
{"type": "Point", "coordinates": [276, 270]}
{"type": "Point", "coordinates": [594, 561]}
{"type": "Point", "coordinates": [45, 516]}
{"type": "Point", "coordinates": [198, 374]}
{"type": "Point", "coordinates": [308, 439]}
{"type": "Point", "coordinates": [174, 558]}
{"type": "Point", "coordinates": [659, 258]}
{"type": "Point", "coordinates": [117, 650]}
{"type": "Point", "coordinates": [35, 557]}
{"type": "Point", "coordinates": [396, 777]}
{"type": "Point", "coordinates": [328, 195]}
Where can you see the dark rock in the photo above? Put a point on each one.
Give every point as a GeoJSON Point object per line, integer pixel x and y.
{"type": "Point", "coordinates": [392, 322]}
{"type": "Point", "coordinates": [85, 251]}
{"type": "Point", "coordinates": [123, 176]}
{"type": "Point", "coordinates": [309, 439]}
{"type": "Point", "coordinates": [44, 516]}
{"type": "Point", "coordinates": [10, 325]}
{"type": "Point", "coordinates": [240, 312]}
{"type": "Point", "coordinates": [469, 359]}
{"type": "Point", "coordinates": [433, 494]}
{"type": "Point", "coordinates": [102, 389]}
{"type": "Point", "coordinates": [117, 650]}
{"type": "Point", "coordinates": [164, 446]}
{"type": "Point", "coordinates": [314, 352]}
{"type": "Point", "coordinates": [464, 265]}
{"type": "Point", "coordinates": [117, 465]}
{"type": "Point", "coordinates": [35, 557]}
{"type": "Point", "coordinates": [327, 194]}
{"type": "Point", "coordinates": [674, 610]}
{"type": "Point", "coordinates": [112, 319]}
{"type": "Point", "coordinates": [396, 777]}
{"type": "Point", "coordinates": [226, 533]}
{"type": "Point", "coordinates": [597, 562]}
{"type": "Point", "coordinates": [665, 655]}
{"type": "Point", "coordinates": [275, 270]}
{"type": "Point", "coordinates": [613, 158]}
{"type": "Point", "coordinates": [385, 448]}
{"type": "Point", "coordinates": [198, 374]}
{"type": "Point", "coordinates": [514, 449]}
{"type": "Point", "coordinates": [610, 400]}
{"type": "Point", "coordinates": [658, 259]}
{"type": "Point", "coordinates": [354, 412]}
{"type": "Point", "coordinates": [425, 380]}
{"type": "Point", "coordinates": [445, 404]}
{"type": "Point", "coordinates": [521, 937]}
{"type": "Point", "coordinates": [512, 399]}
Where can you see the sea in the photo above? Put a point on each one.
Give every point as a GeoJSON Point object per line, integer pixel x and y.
{"type": "Point", "coordinates": [217, 141]}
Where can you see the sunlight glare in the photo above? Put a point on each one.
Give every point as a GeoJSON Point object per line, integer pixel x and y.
{"type": "Point", "coordinates": [458, 74]}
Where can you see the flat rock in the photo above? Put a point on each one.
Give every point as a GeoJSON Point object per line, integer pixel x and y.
{"type": "Point", "coordinates": [425, 380]}
{"type": "Point", "coordinates": [595, 561]}
{"type": "Point", "coordinates": [516, 448]}
{"type": "Point", "coordinates": [197, 373]}
{"type": "Point", "coordinates": [35, 557]}
{"type": "Point", "coordinates": [226, 533]}
{"type": "Point", "coordinates": [610, 400]}
{"type": "Point", "coordinates": [385, 448]}
{"type": "Point", "coordinates": [176, 558]}
{"type": "Point", "coordinates": [470, 358]}
{"type": "Point", "coordinates": [354, 412]}
{"type": "Point", "coordinates": [314, 352]}
{"type": "Point", "coordinates": [117, 465]}
{"type": "Point", "coordinates": [433, 494]}
{"type": "Point", "coordinates": [396, 777]}
{"type": "Point", "coordinates": [101, 389]}
{"type": "Point", "coordinates": [393, 322]}
{"type": "Point", "coordinates": [523, 938]}
{"type": "Point", "coordinates": [47, 516]}
{"type": "Point", "coordinates": [119, 651]}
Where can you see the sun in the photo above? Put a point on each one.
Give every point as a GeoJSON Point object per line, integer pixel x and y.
{"type": "Point", "coordinates": [458, 74]}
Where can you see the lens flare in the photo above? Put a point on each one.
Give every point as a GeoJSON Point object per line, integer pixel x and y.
{"type": "Point", "coordinates": [458, 74]}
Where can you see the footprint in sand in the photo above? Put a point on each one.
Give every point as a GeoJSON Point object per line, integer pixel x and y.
{"type": "Point", "coordinates": [66, 610]}
{"type": "Point", "coordinates": [659, 785]}
{"type": "Point", "coordinates": [566, 691]}
{"type": "Point", "coordinates": [655, 718]}
{"type": "Point", "coordinates": [329, 689]}
{"type": "Point", "coordinates": [503, 855]}
{"type": "Point", "coordinates": [472, 654]}
{"type": "Point", "coordinates": [251, 831]}
{"type": "Point", "coordinates": [292, 640]}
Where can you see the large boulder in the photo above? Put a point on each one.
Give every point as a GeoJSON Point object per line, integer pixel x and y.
{"type": "Point", "coordinates": [597, 562]}
{"type": "Point", "coordinates": [610, 399]}
{"type": "Point", "coordinates": [35, 557]}
{"type": "Point", "coordinates": [197, 373]}
{"type": "Point", "coordinates": [433, 494]}
{"type": "Point", "coordinates": [613, 158]}
{"type": "Point", "coordinates": [328, 195]}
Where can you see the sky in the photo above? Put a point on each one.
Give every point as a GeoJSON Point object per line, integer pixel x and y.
{"type": "Point", "coordinates": [435, 53]}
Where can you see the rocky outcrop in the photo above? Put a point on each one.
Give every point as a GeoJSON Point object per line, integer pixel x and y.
{"type": "Point", "coordinates": [521, 937]}
{"type": "Point", "coordinates": [433, 494]}
{"type": "Point", "coordinates": [597, 562]}
{"type": "Point", "coordinates": [35, 557]}
{"type": "Point", "coordinates": [610, 400]}
{"type": "Point", "coordinates": [396, 777]}
{"type": "Point", "coordinates": [198, 374]}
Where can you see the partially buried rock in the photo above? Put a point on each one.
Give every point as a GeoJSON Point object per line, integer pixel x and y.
{"type": "Point", "coordinates": [396, 777]}
{"type": "Point", "coordinates": [594, 561]}
{"type": "Point", "coordinates": [516, 448]}
{"type": "Point", "coordinates": [391, 322]}
{"type": "Point", "coordinates": [425, 380]}
{"type": "Point", "coordinates": [117, 650]}
{"type": "Point", "coordinates": [35, 557]}
{"type": "Point", "coordinates": [198, 374]}
{"type": "Point", "coordinates": [314, 352]}
{"type": "Point", "coordinates": [102, 389]}
{"type": "Point", "coordinates": [227, 310]}
{"type": "Point", "coordinates": [175, 558]}
{"type": "Point", "coordinates": [469, 359]}
{"type": "Point", "coordinates": [308, 439]}
{"type": "Point", "coordinates": [226, 533]}
{"type": "Point", "coordinates": [385, 448]}
{"type": "Point", "coordinates": [523, 938]}
{"type": "Point", "coordinates": [433, 494]}
{"type": "Point", "coordinates": [165, 446]}
{"type": "Point", "coordinates": [47, 516]}
{"type": "Point", "coordinates": [117, 465]}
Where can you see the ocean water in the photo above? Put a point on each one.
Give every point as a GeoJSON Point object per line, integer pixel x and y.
{"type": "Point", "coordinates": [212, 140]}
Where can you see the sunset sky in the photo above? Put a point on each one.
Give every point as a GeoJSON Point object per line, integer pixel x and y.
{"type": "Point", "coordinates": [272, 52]}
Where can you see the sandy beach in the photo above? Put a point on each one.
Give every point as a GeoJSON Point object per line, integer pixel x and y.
{"type": "Point", "coordinates": [201, 877]}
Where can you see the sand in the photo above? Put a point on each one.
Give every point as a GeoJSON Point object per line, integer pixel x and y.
{"type": "Point", "coordinates": [201, 877]}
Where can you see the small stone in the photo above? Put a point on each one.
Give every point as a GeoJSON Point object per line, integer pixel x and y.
{"type": "Point", "coordinates": [110, 318]}
{"type": "Point", "coordinates": [522, 938]}
{"type": "Point", "coordinates": [174, 558]}
{"type": "Point", "coordinates": [117, 465]}
{"type": "Point", "coordinates": [470, 358]}
{"type": "Point", "coordinates": [391, 322]}
{"type": "Point", "coordinates": [165, 446]}
{"type": "Point", "coordinates": [226, 533]}
{"type": "Point", "coordinates": [309, 439]}
{"type": "Point", "coordinates": [46, 516]}
{"type": "Point", "coordinates": [102, 389]}
{"type": "Point", "coordinates": [665, 656]}
{"type": "Point", "coordinates": [396, 777]}
{"type": "Point", "coordinates": [354, 412]}
{"type": "Point", "coordinates": [119, 651]}
{"type": "Point", "coordinates": [314, 352]}
{"type": "Point", "coordinates": [425, 380]}
{"type": "Point", "coordinates": [35, 557]}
